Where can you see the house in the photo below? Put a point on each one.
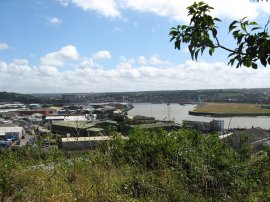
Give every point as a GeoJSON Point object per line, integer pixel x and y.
{"type": "Point", "coordinates": [256, 137]}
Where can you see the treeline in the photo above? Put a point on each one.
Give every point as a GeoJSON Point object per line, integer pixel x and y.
{"type": "Point", "coordinates": [177, 96]}
{"type": "Point", "coordinates": [261, 96]}
{"type": "Point", "coordinates": [16, 97]}
{"type": "Point", "coordinates": [179, 166]}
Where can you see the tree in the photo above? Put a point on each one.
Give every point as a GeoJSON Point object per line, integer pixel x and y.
{"type": "Point", "coordinates": [253, 41]}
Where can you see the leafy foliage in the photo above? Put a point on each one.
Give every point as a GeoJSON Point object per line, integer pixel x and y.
{"type": "Point", "coordinates": [253, 41]}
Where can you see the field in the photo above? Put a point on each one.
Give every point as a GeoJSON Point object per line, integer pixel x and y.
{"type": "Point", "coordinates": [234, 108]}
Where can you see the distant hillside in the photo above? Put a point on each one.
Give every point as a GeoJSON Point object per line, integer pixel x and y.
{"type": "Point", "coordinates": [16, 97]}
{"type": "Point", "coordinates": [261, 96]}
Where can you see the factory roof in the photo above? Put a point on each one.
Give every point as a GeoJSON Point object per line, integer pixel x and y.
{"type": "Point", "coordinates": [93, 129]}
{"type": "Point", "coordinates": [80, 139]}
{"type": "Point", "coordinates": [74, 124]}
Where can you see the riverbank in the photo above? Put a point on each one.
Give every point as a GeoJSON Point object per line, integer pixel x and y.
{"type": "Point", "coordinates": [181, 112]}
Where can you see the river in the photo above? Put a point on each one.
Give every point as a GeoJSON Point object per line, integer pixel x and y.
{"type": "Point", "coordinates": [178, 113]}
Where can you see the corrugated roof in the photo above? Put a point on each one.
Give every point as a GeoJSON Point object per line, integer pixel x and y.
{"type": "Point", "coordinates": [94, 129]}
{"type": "Point", "coordinates": [74, 124]}
{"type": "Point", "coordinates": [55, 117]}
{"type": "Point", "coordinates": [108, 121]}
{"type": "Point", "coordinates": [254, 134]}
{"type": "Point", "coordinates": [80, 139]}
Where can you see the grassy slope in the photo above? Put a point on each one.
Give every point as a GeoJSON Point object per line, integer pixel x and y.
{"type": "Point", "coordinates": [182, 166]}
{"type": "Point", "coordinates": [231, 108]}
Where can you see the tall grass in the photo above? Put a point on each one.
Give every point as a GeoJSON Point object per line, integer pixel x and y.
{"type": "Point", "coordinates": [149, 166]}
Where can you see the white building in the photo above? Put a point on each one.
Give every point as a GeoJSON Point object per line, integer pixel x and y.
{"type": "Point", "coordinates": [12, 129]}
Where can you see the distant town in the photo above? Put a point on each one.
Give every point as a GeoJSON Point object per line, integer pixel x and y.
{"type": "Point", "coordinates": [63, 120]}
{"type": "Point", "coordinates": [258, 95]}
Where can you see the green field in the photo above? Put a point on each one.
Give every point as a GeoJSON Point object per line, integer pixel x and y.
{"type": "Point", "coordinates": [230, 108]}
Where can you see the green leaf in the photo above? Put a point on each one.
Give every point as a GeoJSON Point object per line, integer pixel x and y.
{"type": "Point", "coordinates": [253, 23]}
{"type": "Point", "coordinates": [202, 49]}
{"type": "Point", "coordinates": [254, 66]}
{"type": "Point", "coordinates": [235, 34]}
{"type": "Point", "coordinates": [177, 44]}
{"type": "Point", "coordinates": [231, 62]}
{"type": "Point", "coordinates": [232, 25]}
{"type": "Point", "coordinates": [248, 63]}
{"type": "Point", "coordinates": [191, 51]}
{"type": "Point", "coordinates": [263, 62]}
{"type": "Point", "coordinates": [255, 28]}
{"type": "Point", "coordinates": [239, 38]}
{"type": "Point", "coordinates": [217, 19]}
{"type": "Point", "coordinates": [232, 28]}
{"type": "Point", "coordinates": [214, 31]}
{"type": "Point", "coordinates": [196, 54]}
{"type": "Point", "coordinates": [184, 27]}
{"type": "Point", "coordinates": [211, 51]}
{"type": "Point", "coordinates": [230, 55]}
{"type": "Point", "coordinates": [173, 32]}
{"type": "Point", "coordinates": [243, 26]}
{"type": "Point", "coordinates": [172, 38]}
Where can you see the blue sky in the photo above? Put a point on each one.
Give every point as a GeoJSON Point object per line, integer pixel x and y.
{"type": "Point", "coordinates": [51, 46]}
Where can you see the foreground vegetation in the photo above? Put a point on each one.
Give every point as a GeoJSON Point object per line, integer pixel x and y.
{"type": "Point", "coordinates": [180, 166]}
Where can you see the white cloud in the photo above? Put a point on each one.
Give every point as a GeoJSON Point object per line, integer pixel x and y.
{"type": "Point", "coordinates": [177, 10]}
{"type": "Point", "coordinates": [142, 60]}
{"type": "Point", "coordinates": [100, 55]}
{"type": "Point", "coordinates": [58, 58]}
{"type": "Point", "coordinates": [127, 75]}
{"type": "Point", "coordinates": [20, 62]}
{"type": "Point", "coordinates": [55, 21]}
{"type": "Point", "coordinates": [48, 71]}
{"type": "Point", "coordinates": [174, 9]}
{"type": "Point", "coordinates": [155, 60]}
{"type": "Point", "coordinates": [3, 67]}
{"type": "Point", "coordinates": [3, 46]}
{"type": "Point", "coordinates": [87, 64]}
{"type": "Point", "coordinates": [108, 8]}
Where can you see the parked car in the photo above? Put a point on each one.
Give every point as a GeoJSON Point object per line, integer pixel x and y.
{"type": "Point", "coordinates": [4, 144]}
{"type": "Point", "coordinates": [12, 137]}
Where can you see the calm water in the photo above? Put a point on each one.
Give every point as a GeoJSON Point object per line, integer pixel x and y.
{"type": "Point", "coordinates": [180, 113]}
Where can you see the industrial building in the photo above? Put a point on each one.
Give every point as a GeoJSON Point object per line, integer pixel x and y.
{"type": "Point", "coordinates": [81, 143]}
{"type": "Point", "coordinates": [39, 111]}
{"type": "Point", "coordinates": [168, 126]}
{"type": "Point", "coordinates": [82, 128]}
{"type": "Point", "coordinates": [212, 126]}
{"type": "Point", "coordinates": [13, 129]}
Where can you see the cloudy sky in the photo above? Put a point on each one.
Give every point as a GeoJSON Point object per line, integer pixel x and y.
{"type": "Point", "coordinates": [51, 46]}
